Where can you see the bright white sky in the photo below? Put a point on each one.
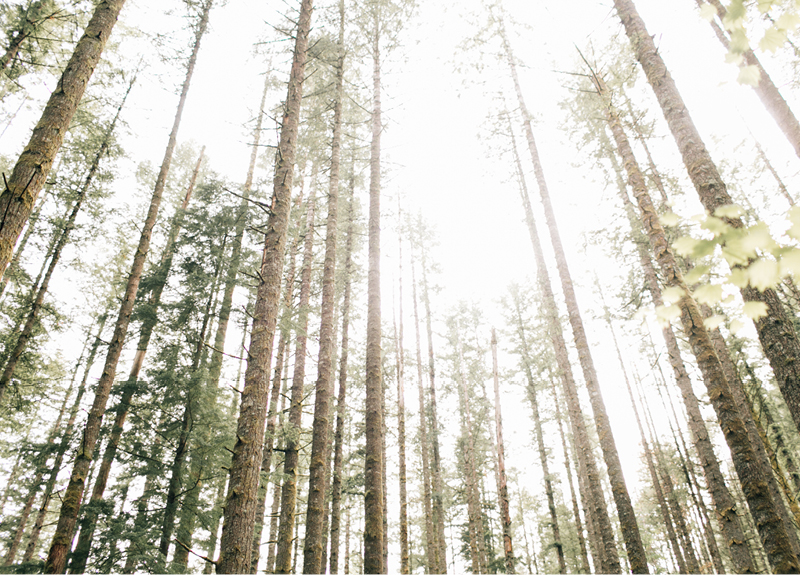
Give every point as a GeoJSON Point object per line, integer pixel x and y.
{"type": "Point", "coordinates": [439, 155]}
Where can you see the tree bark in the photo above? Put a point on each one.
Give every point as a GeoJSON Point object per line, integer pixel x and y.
{"type": "Point", "coordinates": [341, 402]}
{"type": "Point", "coordinates": [318, 476]}
{"type": "Point", "coordinates": [239, 515]}
{"type": "Point", "coordinates": [56, 561]}
{"type": "Point", "coordinates": [720, 495]}
{"type": "Point", "coordinates": [286, 533]}
{"type": "Point", "coordinates": [373, 460]}
{"type": "Point", "coordinates": [32, 168]}
{"type": "Point", "coordinates": [752, 476]}
{"type": "Point", "coordinates": [776, 331]}
{"type": "Point", "coordinates": [502, 488]}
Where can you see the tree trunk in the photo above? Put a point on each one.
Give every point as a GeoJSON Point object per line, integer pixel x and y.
{"type": "Point", "coordinates": [752, 476]}
{"type": "Point", "coordinates": [502, 487]}
{"type": "Point", "coordinates": [776, 331]}
{"type": "Point", "coordinates": [31, 170]}
{"type": "Point", "coordinates": [537, 425]}
{"type": "Point", "coordinates": [575, 509]}
{"type": "Point", "coordinates": [720, 495]}
{"type": "Point", "coordinates": [619, 489]}
{"type": "Point", "coordinates": [318, 476]}
{"type": "Point", "coordinates": [373, 460]}
{"type": "Point", "coordinates": [431, 547]}
{"type": "Point", "coordinates": [591, 493]}
{"type": "Point", "coordinates": [341, 402]}
{"type": "Point", "coordinates": [90, 516]}
{"type": "Point", "coordinates": [239, 515]}
{"type": "Point", "coordinates": [56, 561]}
{"type": "Point", "coordinates": [286, 533]}
{"type": "Point", "coordinates": [36, 306]}
{"type": "Point", "coordinates": [401, 413]}
{"type": "Point", "coordinates": [436, 468]}
{"type": "Point", "coordinates": [474, 508]}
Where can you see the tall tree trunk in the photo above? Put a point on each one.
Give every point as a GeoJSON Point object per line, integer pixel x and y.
{"type": "Point", "coordinates": [38, 301]}
{"type": "Point", "coordinates": [373, 460]}
{"type": "Point", "coordinates": [90, 516]}
{"type": "Point", "coordinates": [748, 467]}
{"type": "Point", "coordinates": [431, 547]}
{"type": "Point", "coordinates": [33, 166]}
{"type": "Point", "coordinates": [568, 466]}
{"type": "Point", "coordinates": [401, 412]}
{"type": "Point", "coordinates": [318, 476]}
{"type": "Point", "coordinates": [619, 489]}
{"type": "Point", "coordinates": [502, 487]}
{"type": "Point", "coordinates": [239, 516]}
{"type": "Point", "coordinates": [720, 495]}
{"type": "Point", "coordinates": [56, 560]}
{"type": "Point", "coordinates": [591, 493]}
{"type": "Point", "coordinates": [776, 331]}
{"type": "Point", "coordinates": [537, 425]}
{"type": "Point", "coordinates": [436, 468]}
{"type": "Point", "coordinates": [474, 508]}
{"type": "Point", "coordinates": [286, 533]}
{"type": "Point", "coordinates": [341, 402]}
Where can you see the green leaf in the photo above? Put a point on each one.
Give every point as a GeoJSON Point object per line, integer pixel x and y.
{"type": "Point", "coordinates": [729, 211]}
{"type": "Point", "coordinates": [708, 294]}
{"type": "Point", "coordinates": [696, 274]}
{"type": "Point", "coordinates": [790, 263]}
{"type": "Point", "coordinates": [764, 274]}
{"type": "Point", "coordinates": [669, 219]}
{"type": "Point", "coordinates": [736, 326]}
{"type": "Point", "coordinates": [788, 21]}
{"type": "Point", "coordinates": [735, 10]}
{"type": "Point", "coordinates": [739, 42]}
{"type": "Point", "coordinates": [685, 246]}
{"type": "Point", "coordinates": [704, 248]}
{"type": "Point", "coordinates": [764, 6]}
{"type": "Point", "coordinates": [758, 237]}
{"type": "Point", "coordinates": [729, 300]}
{"type": "Point", "coordinates": [707, 12]}
{"type": "Point", "coordinates": [715, 225]}
{"type": "Point", "coordinates": [673, 294]}
{"type": "Point", "coordinates": [735, 254]}
{"type": "Point", "coordinates": [734, 58]}
{"type": "Point", "coordinates": [739, 277]}
{"type": "Point", "coordinates": [666, 313]}
{"type": "Point", "coordinates": [755, 309]}
{"type": "Point", "coordinates": [714, 321]}
{"type": "Point", "coordinates": [794, 217]}
{"type": "Point", "coordinates": [749, 75]}
{"type": "Point", "coordinates": [772, 40]}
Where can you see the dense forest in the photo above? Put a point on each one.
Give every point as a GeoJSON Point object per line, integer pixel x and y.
{"type": "Point", "coordinates": [388, 286]}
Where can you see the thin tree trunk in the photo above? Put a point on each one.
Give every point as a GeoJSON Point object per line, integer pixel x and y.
{"type": "Point", "coordinates": [317, 480]}
{"type": "Point", "coordinates": [607, 560]}
{"type": "Point", "coordinates": [373, 460]}
{"type": "Point", "coordinates": [341, 404]}
{"type": "Point", "coordinates": [537, 425]}
{"type": "Point", "coordinates": [431, 547]}
{"type": "Point", "coordinates": [286, 533]}
{"type": "Point", "coordinates": [38, 301]}
{"type": "Point", "coordinates": [56, 560]}
{"type": "Point", "coordinates": [619, 489]}
{"type": "Point", "coordinates": [90, 516]}
{"type": "Point", "coordinates": [33, 166]}
{"type": "Point", "coordinates": [240, 507]}
{"type": "Point", "coordinates": [436, 469]}
{"type": "Point", "coordinates": [720, 495]}
{"type": "Point", "coordinates": [575, 508]}
{"type": "Point", "coordinates": [502, 488]}
{"type": "Point", "coordinates": [401, 413]}
{"type": "Point", "coordinates": [749, 469]}
{"type": "Point", "coordinates": [776, 331]}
